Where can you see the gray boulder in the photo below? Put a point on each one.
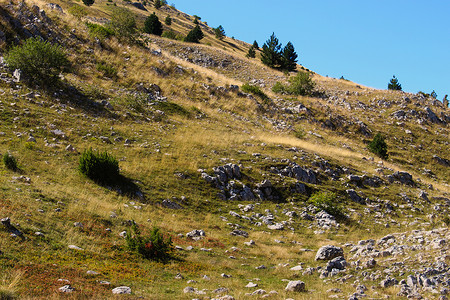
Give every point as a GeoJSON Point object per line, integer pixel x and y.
{"type": "Point", "coordinates": [337, 263]}
{"type": "Point", "coordinates": [329, 252]}
{"type": "Point", "coordinates": [355, 197]}
{"type": "Point", "coordinates": [122, 290]}
{"type": "Point", "coordinates": [295, 286]}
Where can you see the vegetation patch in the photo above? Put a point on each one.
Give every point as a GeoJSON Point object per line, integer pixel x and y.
{"type": "Point", "coordinates": [154, 246]}
{"type": "Point", "coordinates": [102, 168]}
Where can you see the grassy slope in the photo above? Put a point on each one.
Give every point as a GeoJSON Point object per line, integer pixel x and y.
{"type": "Point", "coordinates": [179, 142]}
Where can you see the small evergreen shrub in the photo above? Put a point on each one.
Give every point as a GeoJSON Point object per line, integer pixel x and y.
{"type": "Point", "coordinates": [327, 201]}
{"type": "Point", "coordinates": [252, 89]}
{"type": "Point", "coordinates": [168, 20]}
{"type": "Point", "coordinates": [102, 168]}
{"type": "Point", "coordinates": [251, 52]}
{"type": "Point", "coordinates": [378, 146]}
{"type": "Point", "coordinates": [10, 162]}
{"type": "Point", "coordinates": [39, 60]}
{"type": "Point", "coordinates": [154, 246]}
{"type": "Point", "coordinates": [88, 2]}
{"type": "Point", "coordinates": [195, 35]}
{"type": "Point", "coordinates": [152, 25]}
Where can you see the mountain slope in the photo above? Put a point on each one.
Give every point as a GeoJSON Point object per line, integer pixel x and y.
{"type": "Point", "coordinates": [198, 153]}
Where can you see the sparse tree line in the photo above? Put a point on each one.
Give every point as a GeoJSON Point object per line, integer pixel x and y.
{"type": "Point", "coordinates": [274, 56]}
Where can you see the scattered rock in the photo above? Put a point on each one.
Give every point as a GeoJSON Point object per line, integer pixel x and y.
{"type": "Point", "coordinates": [122, 290]}
{"type": "Point", "coordinates": [66, 289]}
{"type": "Point", "coordinates": [329, 252]}
{"type": "Point", "coordinates": [295, 286]}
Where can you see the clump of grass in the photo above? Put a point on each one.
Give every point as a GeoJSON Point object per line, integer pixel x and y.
{"type": "Point", "coordinates": [108, 70]}
{"type": "Point", "coordinates": [171, 108]}
{"type": "Point", "coordinates": [154, 246]}
{"type": "Point", "coordinates": [327, 201]}
{"type": "Point", "coordinates": [299, 132]}
{"type": "Point", "coordinates": [102, 168]}
{"type": "Point", "coordinates": [99, 31]}
{"type": "Point", "coordinates": [252, 89]}
{"type": "Point", "coordinates": [10, 162]}
{"type": "Point", "coordinates": [8, 285]}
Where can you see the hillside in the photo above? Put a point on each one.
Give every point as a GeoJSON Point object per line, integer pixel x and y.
{"type": "Point", "coordinates": [249, 186]}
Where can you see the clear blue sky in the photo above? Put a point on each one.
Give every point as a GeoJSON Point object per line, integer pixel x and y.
{"type": "Point", "coordinates": [366, 41]}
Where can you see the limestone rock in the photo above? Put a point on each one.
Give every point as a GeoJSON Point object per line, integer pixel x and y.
{"type": "Point", "coordinates": [329, 252]}
{"type": "Point", "coordinates": [295, 286]}
{"type": "Point", "coordinates": [122, 290]}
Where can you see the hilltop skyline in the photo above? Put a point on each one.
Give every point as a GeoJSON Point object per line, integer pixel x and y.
{"type": "Point", "coordinates": [366, 43]}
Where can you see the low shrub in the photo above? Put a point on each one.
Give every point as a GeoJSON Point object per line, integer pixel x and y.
{"type": "Point", "coordinates": [107, 69]}
{"type": "Point", "coordinates": [39, 60]}
{"type": "Point", "coordinates": [327, 201]}
{"type": "Point", "coordinates": [300, 85]}
{"type": "Point", "coordinates": [78, 11]}
{"type": "Point", "coordinates": [253, 89]}
{"type": "Point", "coordinates": [154, 246]}
{"type": "Point", "coordinates": [10, 162]}
{"type": "Point", "coordinates": [99, 31]}
{"type": "Point", "coordinates": [102, 168]}
{"type": "Point", "coordinates": [172, 35]}
{"type": "Point", "coordinates": [378, 146]}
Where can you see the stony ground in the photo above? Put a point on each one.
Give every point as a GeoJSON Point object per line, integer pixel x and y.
{"type": "Point", "coordinates": [233, 179]}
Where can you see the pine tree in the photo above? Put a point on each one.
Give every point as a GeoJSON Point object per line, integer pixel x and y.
{"type": "Point", "coordinates": [255, 45]}
{"type": "Point", "coordinates": [88, 2]}
{"type": "Point", "coordinates": [378, 146]}
{"type": "Point", "coordinates": [251, 52]}
{"type": "Point", "coordinates": [433, 94]}
{"type": "Point", "coordinates": [289, 58]}
{"type": "Point", "coordinates": [219, 32]}
{"type": "Point", "coordinates": [394, 84]}
{"type": "Point", "coordinates": [195, 35]}
{"type": "Point", "coordinates": [271, 55]}
{"type": "Point", "coordinates": [168, 20]}
{"type": "Point", "coordinates": [158, 4]}
{"type": "Point", "coordinates": [445, 102]}
{"type": "Point", "coordinates": [152, 25]}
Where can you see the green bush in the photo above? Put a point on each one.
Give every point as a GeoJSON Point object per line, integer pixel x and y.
{"type": "Point", "coordinates": [195, 35]}
{"type": "Point", "coordinates": [171, 35]}
{"type": "Point", "coordinates": [279, 88]}
{"type": "Point", "coordinates": [99, 31]}
{"type": "Point", "coordinates": [10, 162]}
{"type": "Point", "coordinates": [168, 20]}
{"type": "Point", "coordinates": [123, 23]}
{"type": "Point", "coordinates": [39, 60]}
{"type": "Point", "coordinates": [378, 146]}
{"type": "Point", "coordinates": [107, 69]}
{"type": "Point", "coordinates": [251, 52]}
{"type": "Point", "coordinates": [88, 2]}
{"type": "Point", "coordinates": [102, 168]}
{"type": "Point", "coordinates": [327, 201]}
{"type": "Point", "coordinates": [252, 89]}
{"type": "Point", "coordinates": [78, 11]}
{"type": "Point", "coordinates": [152, 25]}
{"type": "Point", "coordinates": [154, 246]}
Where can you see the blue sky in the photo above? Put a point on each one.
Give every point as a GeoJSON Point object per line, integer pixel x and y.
{"type": "Point", "coordinates": [366, 41]}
